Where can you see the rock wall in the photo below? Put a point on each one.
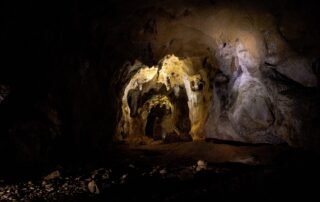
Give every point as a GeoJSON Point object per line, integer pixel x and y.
{"type": "Point", "coordinates": [254, 69]}
{"type": "Point", "coordinates": [66, 65]}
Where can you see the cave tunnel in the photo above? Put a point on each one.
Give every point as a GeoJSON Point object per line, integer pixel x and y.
{"type": "Point", "coordinates": [153, 127]}
{"type": "Point", "coordinates": [184, 100]}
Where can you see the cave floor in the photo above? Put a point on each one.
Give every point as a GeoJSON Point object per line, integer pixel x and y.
{"type": "Point", "coordinates": [185, 171]}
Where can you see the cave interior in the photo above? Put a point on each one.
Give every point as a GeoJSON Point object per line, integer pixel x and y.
{"type": "Point", "coordinates": [160, 100]}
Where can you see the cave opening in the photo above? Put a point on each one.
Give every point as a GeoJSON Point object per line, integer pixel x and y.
{"type": "Point", "coordinates": [154, 120]}
{"type": "Point", "coordinates": [169, 123]}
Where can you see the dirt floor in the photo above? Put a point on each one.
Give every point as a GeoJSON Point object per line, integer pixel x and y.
{"type": "Point", "coordinates": [188, 171]}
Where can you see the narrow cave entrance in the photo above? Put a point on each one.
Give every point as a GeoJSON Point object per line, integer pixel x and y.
{"type": "Point", "coordinates": [169, 123]}
{"type": "Point", "coordinates": [183, 122]}
{"type": "Point", "coordinates": [154, 128]}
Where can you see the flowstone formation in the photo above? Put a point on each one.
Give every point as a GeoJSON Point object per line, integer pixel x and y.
{"type": "Point", "coordinates": [171, 98]}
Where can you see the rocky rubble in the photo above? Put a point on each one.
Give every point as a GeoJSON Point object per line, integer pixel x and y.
{"type": "Point", "coordinates": [162, 174]}
{"type": "Point", "coordinates": [56, 186]}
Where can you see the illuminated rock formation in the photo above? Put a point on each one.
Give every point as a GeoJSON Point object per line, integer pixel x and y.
{"type": "Point", "coordinates": [172, 79]}
{"type": "Point", "coordinates": [235, 69]}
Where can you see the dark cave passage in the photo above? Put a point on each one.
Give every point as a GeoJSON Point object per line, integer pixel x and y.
{"type": "Point", "coordinates": [153, 127]}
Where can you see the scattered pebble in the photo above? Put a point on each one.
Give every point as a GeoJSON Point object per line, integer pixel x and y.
{"type": "Point", "coordinates": [93, 188]}
{"type": "Point", "coordinates": [123, 178]}
{"type": "Point", "coordinates": [53, 175]}
{"type": "Point", "coordinates": [201, 165]}
{"type": "Point", "coordinates": [163, 172]}
{"type": "Point", "coordinates": [55, 186]}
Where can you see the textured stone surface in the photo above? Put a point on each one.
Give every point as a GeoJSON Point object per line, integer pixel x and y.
{"type": "Point", "coordinates": [245, 103]}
